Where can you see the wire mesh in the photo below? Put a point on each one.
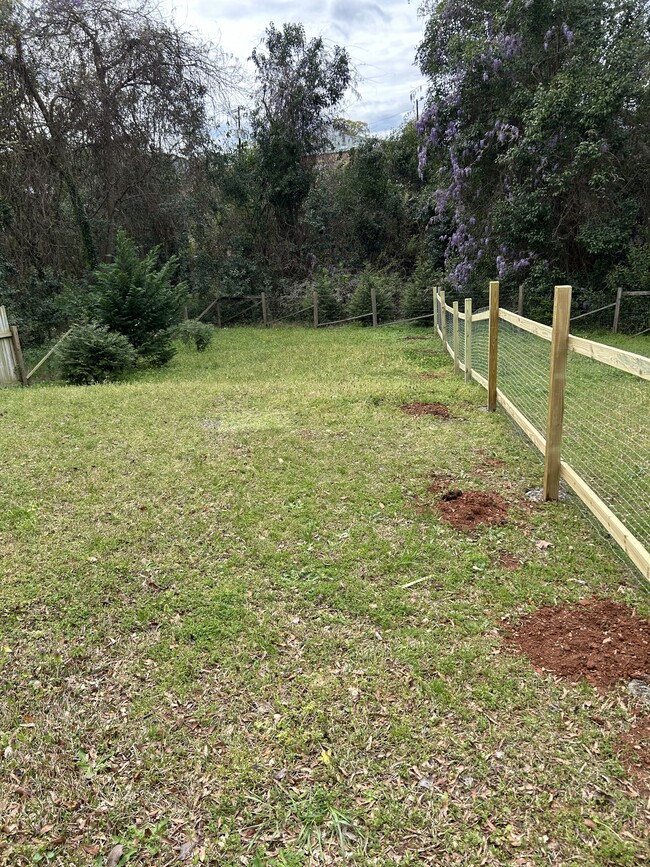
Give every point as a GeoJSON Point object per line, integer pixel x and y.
{"type": "Point", "coordinates": [523, 372]}
{"type": "Point", "coordinates": [449, 323]}
{"type": "Point", "coordinates": [480, 332]}
{"type": "Point", "coordinates": [605, 438]}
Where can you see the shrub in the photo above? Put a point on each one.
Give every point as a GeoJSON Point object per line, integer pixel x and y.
{"type": "Point", "coordinates": [417, 297]}
{"type": "Point", "coordinates": [92, 353]}
{"type": "Point", "coordinates": [329, 307]}
{"type": "Point", "coordinates": [199, 333]}
{"type": "Point", "coordinates": [140, 300]}
{"type": "Point", "coordinates": [360, 300]}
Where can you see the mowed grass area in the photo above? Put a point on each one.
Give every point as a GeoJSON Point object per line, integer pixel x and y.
{"type": "Point", "coordinates": [204, 635]}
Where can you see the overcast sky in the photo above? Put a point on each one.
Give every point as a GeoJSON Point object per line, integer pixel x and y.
{"type": "Point", "coordinates": [381, 38]}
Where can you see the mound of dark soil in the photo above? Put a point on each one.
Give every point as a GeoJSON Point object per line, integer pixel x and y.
{"type": "Point", "coordinates": [418, 408]}
{"type": "Point", "coordinates": [433, 376]}
{"type": "Point", "coordinates": [416, 338]}
{"type": "Point", "coordinates": [597, 640]}
{"type": "Point", "coordinates": [467, 510]}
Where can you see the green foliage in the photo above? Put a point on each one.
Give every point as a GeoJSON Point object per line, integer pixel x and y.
{"type": "Point", "coordinates": [537, 115]}
{"type": "Point", "coordinates": [300, 83]}
{"type": "Point", "coordinates": [192, 331]}
{"type": "Point", "coordinates": [360, 301]}
{"type": "Point", "coordinates": [417, 297]}
{"type": "Point", "coordinates": [93, 353]}
{"type": "Point", "coordinates": [140, 300]}
{"type": "Point", "coordinates": [330, 307]}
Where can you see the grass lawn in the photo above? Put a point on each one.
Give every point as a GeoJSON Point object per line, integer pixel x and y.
{"type": "Point", "coordinates": [204, 637]}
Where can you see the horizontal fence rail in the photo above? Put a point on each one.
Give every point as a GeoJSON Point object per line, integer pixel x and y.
{"type": "Point", "coordinates": [584, 405]}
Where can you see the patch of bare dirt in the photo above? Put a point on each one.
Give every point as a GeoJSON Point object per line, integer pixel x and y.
{"type": "Point", "coordinates": [596, 639]}
{"type": "Point", "coordinates": [507, 561]}
{"type": "Point", "coordinates": [493, 462]}
{"type": "Point", "coordinates": [416, 338]}
{"type": "Point", "coordinates": [418, 408]}
{"type": "Point", "coordinates": [433, 376]}
{"type": "Point", "coordinates": [467, 510]}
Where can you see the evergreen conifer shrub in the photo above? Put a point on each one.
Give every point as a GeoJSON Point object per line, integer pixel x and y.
{"type": "Point", "coordinates": [93, 353]}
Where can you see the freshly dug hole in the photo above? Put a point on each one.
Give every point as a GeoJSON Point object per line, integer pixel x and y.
{"type": "Point", "coordinates": [418, 408]}
{"type": "Point", "coordinates": [467, 510]}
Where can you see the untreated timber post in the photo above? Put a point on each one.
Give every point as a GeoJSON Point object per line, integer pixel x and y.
{"type": "Point", "coordinates": [435, 310]}
{"type": "Point", "coordinates": [443, 320]}
{"type": "Point", "coordinates": [456, 347]}
{"type": "Point", "coordinates": [315, 299]}
{"type": "Point", "coordinates": [264, 313]}
{"type": "Point", "coordinates": [493, 346]}
{"type": "Point", "coordinates": [218, 315]}
{"type": "Point", "coordinates": [520, 301]}
{"type": "Point", "coordinates": [18, 353]}
{"type": "Point", "coordinates": [373, 301]}
{"type": "Point", "coordinates": [468, 340]}
{"type": "Point", "coordinates": [557, 385]}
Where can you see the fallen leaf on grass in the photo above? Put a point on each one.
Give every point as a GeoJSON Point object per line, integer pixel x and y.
{"type": "Point", "coordinates": [542, 544]}
{"type": "Point", "coordinates": [114, 855]}
{"type": "Point", "coordinates": [186, 850]}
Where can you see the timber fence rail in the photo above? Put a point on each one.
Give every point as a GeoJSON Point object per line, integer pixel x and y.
{"type": "Point", "coordinates": [584, 405]}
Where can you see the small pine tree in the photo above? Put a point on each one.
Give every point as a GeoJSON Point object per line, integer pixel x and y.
{"type": "Point", "coordinates": [92, 353]}
{"type": "Point", "coordinates": [361, 302]}
{"type": "Point", "coordinates": [140, 300]}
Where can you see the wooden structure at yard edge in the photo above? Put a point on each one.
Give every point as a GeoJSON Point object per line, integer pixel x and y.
{"type": "Point", "coordinates": [550, 445]}
{"type": "Point", "coordinates": [12, 366]}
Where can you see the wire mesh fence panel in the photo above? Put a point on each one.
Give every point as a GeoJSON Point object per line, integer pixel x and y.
{"type": "Point", "coordinates": [480, 333]}
{"type": "Point", "coordinates": [461, 340]}
{"type": "Point", "coordinates": [523, 372]}
{"type": "Point", "coordinates": [606, 441]}
{"type": "Point", "coordinates": [449, 321]}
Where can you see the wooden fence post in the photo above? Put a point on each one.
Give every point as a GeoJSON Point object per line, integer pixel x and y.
{"type": "Point", "coordinates": [443, 321]}
{"type": "Point", "coordinates": [456, 347]}
{"type": "Point", "coordinates": [18, 352]}
{"type": "Point", "coordinates": [468, 340]}
{"type": "Point", "coordinates": [435, 310]}
{"type": "Point", "coordinates": [264, 313]}
{"type": "Point", "coordinates": [315, 299]}
{"type": "Point", "coordinates": [520, 301]}
{"type": "Point", "coordinates": [186, 315]}
{"type": "Point", "coordinates": [617, 309]}
{"type": "Point", "coordinates": [556, 389]}
{"type": "Point", "coordinates": [493, 346]}
{"type": "Point", "coordinates": [373, 301]}
{"type": "Point", "coordinates": [218, 315]}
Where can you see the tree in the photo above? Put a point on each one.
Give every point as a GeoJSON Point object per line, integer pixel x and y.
{"type": "Point", "coordinates": [539, 113]}
{"type": "Point", "coordinates": [106, 102]}
{"type": "Point", "coordinates": [299, 85]}
{"type": "Point", "coordinates": [139, 300]}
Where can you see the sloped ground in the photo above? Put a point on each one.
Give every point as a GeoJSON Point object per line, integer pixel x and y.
{"type": "Point", "coordinates": [234, 628]}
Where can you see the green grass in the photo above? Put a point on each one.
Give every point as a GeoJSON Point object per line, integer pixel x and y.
{"type": "Point", "coordinates": [203, 633]}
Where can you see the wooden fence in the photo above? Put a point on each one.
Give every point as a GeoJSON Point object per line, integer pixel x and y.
{"type": "Point", "coordinates": [562, 345]}
{"type": "Point", "coordinates": [12, 367]}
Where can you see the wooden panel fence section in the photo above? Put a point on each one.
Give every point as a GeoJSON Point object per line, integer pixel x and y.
{"type": "Point", "coordinates": [550, 444]}
{"type": "Point", "coordinates": [9, 373]}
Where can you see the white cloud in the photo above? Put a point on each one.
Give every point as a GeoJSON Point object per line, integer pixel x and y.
{"type": "Point", "coordinates": [381, 38]}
